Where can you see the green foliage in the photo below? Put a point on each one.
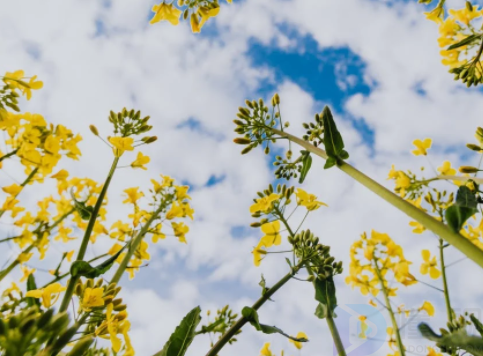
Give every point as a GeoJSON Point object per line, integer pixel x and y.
{"type": "Point", "coordinates": [334, 145]}
{"type": "Point", "coordinates": [464, 208]}
{"type": "Point", "coordinates": [457, 340]}
{"type": "Point", "coordinates": [306, 164]}
{"type": "Point", "coordinates": [84, 269]}
{"type": "Point", "coordinates": [31, 285]}
{"type": "Point", "coordinates": [325, 294]}
{"type": "Point", "coordinates": [183, 335]}
{"type": "Point", "coordinates": [466, 41]}
{"type": "Point", "coordinates": [251, 316]}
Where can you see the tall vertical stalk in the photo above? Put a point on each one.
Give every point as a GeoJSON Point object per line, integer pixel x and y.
{"type": "Point", "coordinates": [85, 241]}
{"type": "Point", "coordinates": [395, 327]}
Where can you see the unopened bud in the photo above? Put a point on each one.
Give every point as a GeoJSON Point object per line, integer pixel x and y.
{"type": "Point", "coordinates": [94, 130]}
{"type": "Point", "coordinates": [474, 147]}
{"type": "Point", "coordinates": [242, 141]}
{"type": "Point", "coordinates": [149, 139]}
{"type": "Point", "coordinates": [468, 169]}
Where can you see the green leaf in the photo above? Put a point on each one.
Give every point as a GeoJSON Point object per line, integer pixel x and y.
{"type": "Point", "coordinates": [306, 164]}
{"type": "Point", "coordinates": [464, 42]}
{"type": "Point", "coordinates": [263, 285]}
{"type": "Point", "coordinates": [325, 293]}
{"type": "Point", "coordinates": [457, 340]}
{"type": "Point", "coordinates": [84, 211]}
{"type": "Point", "coordinates": [183, 335]}
{"type": "Point", "coordinates": [478, 325]}
{"type": "Point", "coordinates": [321, 311]}
{"type": "Point", "coordinates": [330, 162]}
{"type": "Point", "coordinates": [457, 215]}
{"type": "Point", "coordinates": [334, 145]}
{"type": "Point", "coordinates": [31, 285]}
{"type": "Point", "coordinates": [251, 316]}
{"type": "Point", "coordinates": [84, 269]}
{"type": "Point", "coordinates": [466, 198]}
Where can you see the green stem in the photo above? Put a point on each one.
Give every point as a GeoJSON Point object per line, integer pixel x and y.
{"type": "Point", "coordinates": [440, 229]}
{"type": "Point", "coordinates": [134, 245]}
{"type": "Point", "coordinates": [24, 183]}
{"type": "Point", "coordinates": [335, 335]}
{"type": "Point", "coordinates": [15, 263]}
{"type": "Point", "coordinates": [9, 154]}
{"type": "Point", "coordinates": [242, 321]}
{"type": "Point", "coordinates": [395, 327]}
{"type": "Point", "coordinates": [85, 240]}
{"type": "Point", "coordinates": [445, 282]}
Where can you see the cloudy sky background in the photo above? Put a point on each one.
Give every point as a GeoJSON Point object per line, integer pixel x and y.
{"type": "Point", "coordinates": [376, 63]}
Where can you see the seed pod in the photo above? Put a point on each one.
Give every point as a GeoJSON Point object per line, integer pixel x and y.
{"type": "Point", "coordinates": [120, 307]}
{"type": "Point", "coordinates": [59, 322]}
{"type": "Point", "coordinates": [474, 147]}
{"type": "Point", "coordinates": [246, 150]}
{"type": "Point", "coordinates": [255, 224]}
{"type": "Point", "coordinates": [468, 169]}
{"type": "Point", "coordinates": [45, 318]}
{"type": "Point", "coordinates": [64, 339]}
{"type": "Point", "coordinates": [80, 348]}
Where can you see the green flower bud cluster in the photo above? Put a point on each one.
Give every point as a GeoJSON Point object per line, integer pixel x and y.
{"type": "Point", "coordinates": [128, 123]}
{"type": "Point", "coordinates": [437, 202]}
{"type": "Point", "coordinates": [469, 74]}
{"type": "Point", "coordinates": [307, 246]}
{"type": "Point", "coordinates": [225, 318]}
{"type": "Point", "coordinates": [455, 326]}
{"type": "Point", "coordinates": [26, 332]}
{"type": "Point", "coordinates": [8, 98]}
{"type": "Point", "coordinates": [254, 122]}
{"type": "Point", "coordinates": [286, 168]}
{"type": "Point", "coordinates": [314, 131]}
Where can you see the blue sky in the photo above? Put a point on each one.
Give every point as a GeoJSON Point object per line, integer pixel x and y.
{"type": "Point", "coordinates": [375, 63]}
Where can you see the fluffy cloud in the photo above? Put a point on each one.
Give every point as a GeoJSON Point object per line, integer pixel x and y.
{"type": "Point", "coordinates": [96, 56]}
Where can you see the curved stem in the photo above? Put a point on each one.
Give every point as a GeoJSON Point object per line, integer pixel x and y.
{"type": "Point", "coordinates": [440, 229]}
{"type": "Point", "coordinates": [395, 327]}
{"type": "Point", "coordinates": [85, 240]}
{"type": "Point", "coordinates": [242, 321]}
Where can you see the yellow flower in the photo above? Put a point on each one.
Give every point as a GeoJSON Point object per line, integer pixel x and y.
{"type": "Point", "coordinates": [421, 146]}
{"type": "Point", "coordinates": [32, 84]}
{"type": "Point", "coordinates": [265, 351]}
{"type": "Point", "coordinates": [205, 13]}
{"type": "Point", "coordinates": [418, 227]}
{"type": "Point", "coordinates": [308, 200]}
{"type": "Point", "coordinates": [436, 15]}
{"type": "Point", "coordinates": [429, 265]}
{"type": "Point", "coordinates": [392, 339]}
{"type": "Point", "coordinates": [176, 211]}
{"type": "Point", "coordinates": [140, 161]}
{"type": "Point", "coordinates": [259, 253]}
{"type": "Point", "coordinates": [428, 308]}
{"type": "Point", "coordinates": [132, 195]}
{"type": "Point", "coordinates": [464, 15]}
{"type": "Point", "coordinates": [264, 204]}
{"type": "Point", "coordinates": [272, 233]}
{"type": "Point", "coordinates": [371, 302]}
{"type": "Point", "coordinates": [46, 294]}
{"type": "Point", "coordinates": [300, 335]}
{"type": "Point", "coordinates": [393, 174]}
{"type": "Point", "coordinates": [121, 144]}
{"type": "Point", "coordinates": [195, 23]}
{"type": "Point", "coordinates": [181, 191]}
{"type": "Point", "coordinates": [92, 298]}
{"type": "Point", "coordinates": [446, 169]}
{"type": "Point", "coordinates": [165, 12]}
{"type": "Point", "coordinates": [69, 255]}
{"type": "Point", "coordinates": [180, 230]}
{"type": "Point", "coordinates": [431, 352]}
{"type": "Point", "coordinates": [26, 272]}
{"type": "Point", "coordinates": [13, 189]}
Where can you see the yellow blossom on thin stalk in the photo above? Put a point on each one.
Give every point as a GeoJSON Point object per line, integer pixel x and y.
{"type": "Point", "coordinates": [300, 335]}
{"type": "Point", "coordinates": [430, 265]}
{"type": "Point", "coordinates": [264, 204]}
{"type": "Point", "coordinates": [49, 294]}
{"type": "Point", "coordinates": [421, 146]}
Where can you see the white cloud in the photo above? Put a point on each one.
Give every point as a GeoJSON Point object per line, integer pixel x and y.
{"type": "Point", "coordinates": [174, 76]}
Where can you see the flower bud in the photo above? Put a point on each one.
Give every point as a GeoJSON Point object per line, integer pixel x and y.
{"type": "Point", "coordinates": [242, 141]}
{"type": "Point", "coordinates": [468, 169]}
{"type": "Point", "coordinates": [94, 130]}
{"type": "Point", "coordinates": [474, 147]}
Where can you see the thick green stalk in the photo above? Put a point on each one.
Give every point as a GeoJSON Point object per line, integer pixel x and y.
{"type": "Point", "coordinates": [242, 321]}
{"type": "Point", "coordinates": [335, 335]}
{"type": "Point", "coordinates": [134, 245]}
{"type": "Point", "coordinates": [445, 282]}
{"type": "Point", "coordinates": [85, 240]}
{"type": "Point", "coordinates": [395, 327]}
{"type": "Point", "coordinates": [440, 229]}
